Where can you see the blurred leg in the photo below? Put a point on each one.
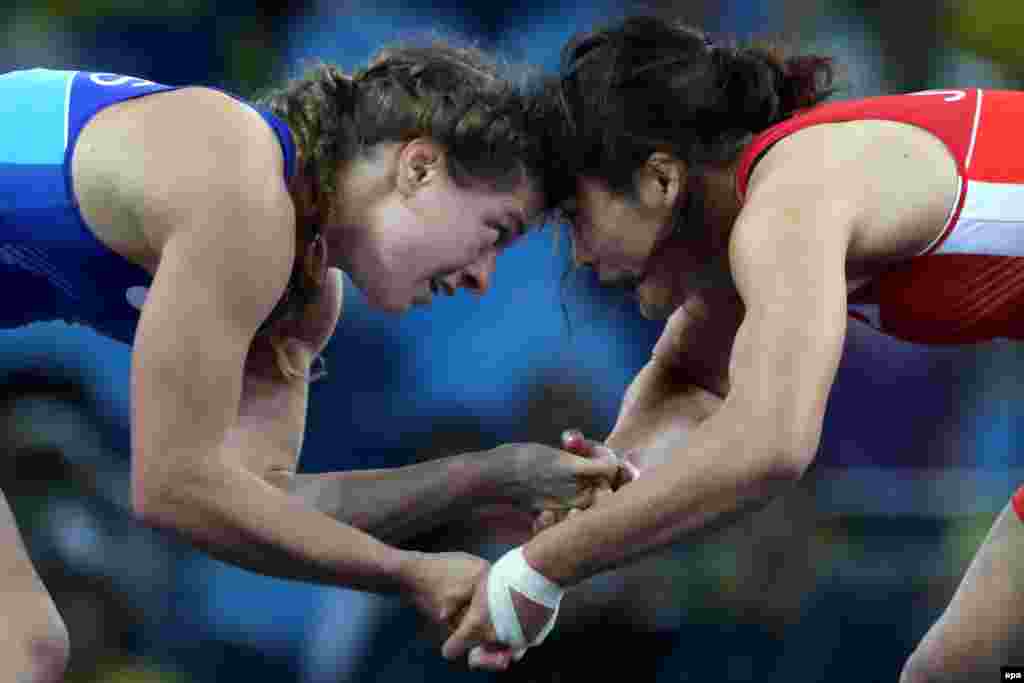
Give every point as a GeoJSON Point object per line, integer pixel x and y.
{"type": "Point", "coordinates": [983, 627]}
{"type": "Point", "coordinates": [34, 642]}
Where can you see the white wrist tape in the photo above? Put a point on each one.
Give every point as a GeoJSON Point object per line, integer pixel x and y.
{"type": "Point", "coordinates": [509, 573]}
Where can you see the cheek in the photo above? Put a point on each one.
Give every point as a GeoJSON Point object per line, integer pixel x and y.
{"type": "Point", "coordinates": [621, 240]}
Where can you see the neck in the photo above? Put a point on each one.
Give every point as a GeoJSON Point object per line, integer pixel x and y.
{"type": "Point", "coordinates": [361, 184]}
{"type": "Point", "coordinates": [721, 204]}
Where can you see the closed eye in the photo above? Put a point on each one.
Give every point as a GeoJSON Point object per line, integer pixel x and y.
{"type": "Point", "coordinates": [505, 234]}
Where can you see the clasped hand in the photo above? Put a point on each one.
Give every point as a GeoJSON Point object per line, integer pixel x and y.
{"type": "Point", "coordinates": [598, 473]}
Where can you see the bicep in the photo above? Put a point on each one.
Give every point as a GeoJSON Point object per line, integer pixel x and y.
{"type": "Point", "coordinates": [205, 304]}
{"type": "Point", "coordinates": [788, 256]}
{"type": "Point", "coordinates": [186, 369]}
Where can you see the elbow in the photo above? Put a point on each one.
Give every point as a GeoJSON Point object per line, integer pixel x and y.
{"type": "Point", "coordinates": [790, 456]}
{"type": "Point", "coordinates": [781, 460]}
{"type": "Point", "coordinates": [780, 443]}
{"type": "Point", "coordinates": [169, 499]}
{"type": "Point", "coordinates": [772, 472]}
{"type": "Point", "coordinates": [152, 502]}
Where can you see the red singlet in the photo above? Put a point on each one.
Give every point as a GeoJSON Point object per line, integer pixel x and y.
{"type": "Point", "coordinates": [968, 285]}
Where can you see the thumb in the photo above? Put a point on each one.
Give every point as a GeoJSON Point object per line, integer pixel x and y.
{"type": "Point", "coordinates": [598, 468]}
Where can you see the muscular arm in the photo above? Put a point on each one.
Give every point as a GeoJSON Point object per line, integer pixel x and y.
{"type": "Point", "coordinates": [394, 505]}
{"type": "Point", "coordinates": [201, 456]}
{"type": "Point", "coordinates": [683, 383]}
{"type": "Point", "coordinates": [789, 269]}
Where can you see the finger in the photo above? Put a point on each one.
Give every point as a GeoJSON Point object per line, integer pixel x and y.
{"type": "Point", "coordinates": [453, 614]}
{"type": "Point", "coordinates": [544, 520]}
{"type": "Point", "coordinates": [573, 441]}
{"type": "Point", "coordinates": [630, 470]}
{"type": "Point", "coordinates": [490, 658]}
{"type": "Point", "coordinates": [597, 468]}
{"type": "Point", "coordinates": [597, 449]}
{"type": "Point", "coordinates": [583, 499]}
{"type": "Point", "coordinates": [466, 636]}
{"type": "Point", "coordinates": [476, 657]}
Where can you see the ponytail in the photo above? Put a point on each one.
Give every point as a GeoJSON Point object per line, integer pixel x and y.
{"type": "Point", "coordinates": [647, 84]}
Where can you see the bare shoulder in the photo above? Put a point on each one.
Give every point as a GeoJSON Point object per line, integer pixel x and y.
{"type": "Point", "coordinates": [898, 182]}
{"type": "Point", "coordinates": [159, 163]}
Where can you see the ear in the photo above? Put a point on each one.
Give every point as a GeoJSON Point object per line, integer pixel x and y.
{"type": "Point", "coordinates": [660, 181]}
{"type": "Point", "coordinates": [420, 162]}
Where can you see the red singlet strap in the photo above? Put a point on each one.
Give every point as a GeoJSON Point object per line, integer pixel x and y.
{"type": "Point", "coordinates": [1018, 503]}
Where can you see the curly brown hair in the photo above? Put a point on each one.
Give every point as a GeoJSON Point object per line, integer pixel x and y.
{"type": "Point", "coordinates": [454, 95]}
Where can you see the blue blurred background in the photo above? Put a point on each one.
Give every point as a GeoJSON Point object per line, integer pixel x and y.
{"type": "Point", "coordinates": [918, 456]}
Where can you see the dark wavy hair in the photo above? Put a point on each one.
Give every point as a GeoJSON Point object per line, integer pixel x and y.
{"type": "Point", "coordinates": [456, 96]}
{"type": "Point", "coordinates": [647, 84]}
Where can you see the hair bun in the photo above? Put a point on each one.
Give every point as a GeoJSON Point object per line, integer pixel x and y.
{"type": "Point", "coordinates": [763, 89]}
{"type": "Point", "coordinates": [753, 87]}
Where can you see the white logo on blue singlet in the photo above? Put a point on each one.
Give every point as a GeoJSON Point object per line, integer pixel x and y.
{"type": "Point", "coordinates": [136, 296]}
{"type": "Point", "coordinates": [114, 79]}
{"type": "Point", "coordinates": [950, 95]}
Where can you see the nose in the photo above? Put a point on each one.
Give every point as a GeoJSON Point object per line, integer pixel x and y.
{"type": "Point", "coordinates": [477, 276]}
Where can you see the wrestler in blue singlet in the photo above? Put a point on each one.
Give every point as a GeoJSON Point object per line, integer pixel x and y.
{"type": "Point", "coordinates": [52, 267]}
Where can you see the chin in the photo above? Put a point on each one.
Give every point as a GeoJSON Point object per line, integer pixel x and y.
{"type": "Point", "coordinates": [388, 304]}
{"type": "Point", "coordinates": [396, 308]}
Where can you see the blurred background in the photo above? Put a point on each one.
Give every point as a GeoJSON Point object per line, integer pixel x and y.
{"type": "Point", "coordinates": [917, 459]}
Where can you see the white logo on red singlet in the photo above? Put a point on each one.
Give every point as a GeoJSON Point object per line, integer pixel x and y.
{"type": "Point", "coordinates": [949, 95]}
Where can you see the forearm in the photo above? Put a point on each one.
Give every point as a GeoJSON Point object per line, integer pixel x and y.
{"type": "Point", "coordinates": [240, 518]}
{"type": "Point", "coordinates": [658, 413]}
{"type": "Point", "coordinates": [721, 471]}
{"type": "Point", "coordinates": [395, 505]}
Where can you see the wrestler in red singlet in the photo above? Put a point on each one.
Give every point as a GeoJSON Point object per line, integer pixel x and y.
{"type": "Point", "coordinates": [968, 285]}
